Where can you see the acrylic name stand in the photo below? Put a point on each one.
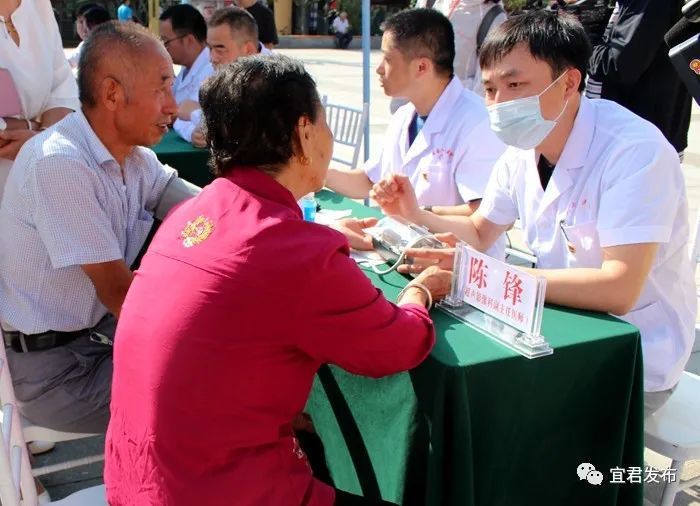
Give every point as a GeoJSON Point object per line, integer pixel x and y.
{"type": "Point", "coordinates": [501, 301]}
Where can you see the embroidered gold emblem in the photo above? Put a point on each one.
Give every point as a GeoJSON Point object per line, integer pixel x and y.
{"type": "Point", "coordinates": [196, 231]}
{"type": "Point", "coordinates": [695, 66]}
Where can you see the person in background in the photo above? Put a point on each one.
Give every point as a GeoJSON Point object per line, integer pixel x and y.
{"type": "Point", "coordinates": [237, 369]}
{"type": "Point", "coordinates": [32, 52]}
{"type": "Point", "coordinates": [184, 34]}
{"type": "Point", "coordinates": [81, 30]}
{"type": "Point", "coordinates": [631, 67]}
{"type": "Point", "coordinates": [88, 19]}
{"type": "Point", "coordinates": [440, 140]}
{"type": "Point", "coordinates": [599, 191]}
{"type": "Point", "coordinates": [469, 18]}
{"type": "Point", "coordinates": [267, 30]}
{"type": "Point", "coordinates": [125, 12]}
{"type": "Point", "coordinates": [231, 34]}
{"type": "Point", "coordinates": [342, 31]}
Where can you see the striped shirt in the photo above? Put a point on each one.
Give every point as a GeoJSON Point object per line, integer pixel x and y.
{"type": "Point", "coordinates": [65, 205]}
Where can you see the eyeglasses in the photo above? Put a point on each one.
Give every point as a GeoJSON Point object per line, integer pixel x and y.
{"type": "Point", "coordinates": [168, 41]}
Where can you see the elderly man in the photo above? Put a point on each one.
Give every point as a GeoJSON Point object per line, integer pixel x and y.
{"type": "Point", "coordinates": [78, 207]}
{"type": "Point", "coordinates": [231, 33]}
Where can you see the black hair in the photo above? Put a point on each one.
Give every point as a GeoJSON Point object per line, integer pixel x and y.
{"type": "Point", "coordinates": [83, 8]}
{"type": "Point", "coordinates": [251, 110]}
{"type": "Point", "coordinates": [96, 16]}
{"type": "Point", "coordinates": [237, 19]}
{"type": "Point", "coordinates": [186, 20]}
{"type": "Point", "coordinates": [424, 33]}
{"type": "Point", "coordinates": [114, 38]}
{"type": "Point", "coordinates": [554, 37]}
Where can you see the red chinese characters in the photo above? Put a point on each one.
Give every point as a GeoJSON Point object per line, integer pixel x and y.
{"type": "Point", "coordinates": [513, 288]}
{"type": "Point", "coordinates": [477, 272]}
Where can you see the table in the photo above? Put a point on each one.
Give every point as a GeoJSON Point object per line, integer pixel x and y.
{"type": "Point", "coordinates": [478, 424]}
{"type": "Point", "coordinates": [190, 162]}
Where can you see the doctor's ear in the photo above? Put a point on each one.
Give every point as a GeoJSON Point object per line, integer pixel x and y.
{"type": "Point", "coordinates": [572, 80]}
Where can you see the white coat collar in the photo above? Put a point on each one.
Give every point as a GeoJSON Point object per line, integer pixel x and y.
{"type": "Point", "coordinates": [198, 65]}
{"type": "Point", "coordinates": [572, 158]}
{"type": "Point", "coordinates": [436, 122]}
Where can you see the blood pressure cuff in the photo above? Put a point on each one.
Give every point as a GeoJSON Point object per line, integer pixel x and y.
{"type": "Point", "coordinates": [178, 190]}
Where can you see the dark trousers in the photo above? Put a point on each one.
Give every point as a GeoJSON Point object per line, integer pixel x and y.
{"type": "Point", "coordinates": [313, 447]}
{"type": "Point", "coordinates": [342, 40]}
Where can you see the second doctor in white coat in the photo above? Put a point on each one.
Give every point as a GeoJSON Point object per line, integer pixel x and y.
{"type": "Point", "coordinates": [441, 139]}
{"type": "Point", "coordinates": [599, 191]}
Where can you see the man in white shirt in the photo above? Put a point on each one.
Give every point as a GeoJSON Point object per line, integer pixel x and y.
{"type": "Point", "coordinates": [78, 206]}
{"type": "Point", "coordinates": [231, 33]}
{"type": "Point", "coordinates": [184, 34]}
{"type": "Point", "coordinates": [341, 28]}
{"type": "Point", "coordinates": [599, 192]}
{"type": "Point", "coordinates": [440, 140]}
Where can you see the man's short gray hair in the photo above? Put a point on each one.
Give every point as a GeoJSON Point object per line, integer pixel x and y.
{"type": "Point", "coordinates": [125, 41]}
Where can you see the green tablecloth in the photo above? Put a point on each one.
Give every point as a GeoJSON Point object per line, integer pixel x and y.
{"type": "Point", "coordinates": [190, 162]}
{"type": "Point", "coordinates": [477, 424]}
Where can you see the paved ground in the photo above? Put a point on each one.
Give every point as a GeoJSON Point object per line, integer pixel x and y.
{"type": "Point", "coordinates": [339, 76]}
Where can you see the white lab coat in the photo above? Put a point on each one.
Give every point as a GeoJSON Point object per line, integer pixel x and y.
{"type": "Point", "coordinates": [618, 182]}
{"type": "Point", "coordinates": [466, 16]}
{"type": "Point", "coordinates": [187, 88]}
{"type": "Point", "coordinates": [451, 158]}
{"type": "Point", "coordinates": [38, 66]}
{"type": "Point", "coordinates": [186, 85]}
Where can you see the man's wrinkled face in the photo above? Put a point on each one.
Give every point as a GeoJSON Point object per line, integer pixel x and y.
{"type": "Point", "coordinates": [142, 117]}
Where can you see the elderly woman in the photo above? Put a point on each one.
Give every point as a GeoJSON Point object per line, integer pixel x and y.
{"type": "Point", "coordinates": [238, 302]}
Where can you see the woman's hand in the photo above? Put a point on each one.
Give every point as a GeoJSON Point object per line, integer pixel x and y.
{"type": "Point", "coordinates": [354, 231]}
{"type": "Point", "coordinates": [12, 140]}
{"type": "Point", "coordinates": [395, 195]}
{"type": "Point", "coordinates": [437, 281]}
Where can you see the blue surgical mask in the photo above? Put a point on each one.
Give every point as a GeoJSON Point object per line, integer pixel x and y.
{"type": "Point", "coordinates": [520, 123]}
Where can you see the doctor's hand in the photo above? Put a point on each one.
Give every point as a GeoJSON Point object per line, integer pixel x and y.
{"type": "Point", "coordinates": [395, 195]}
{"type": "Point", "coordinates": [198, 139]}
{"type": "Point", "coordinates": [354, 231]}
{"type": "Point", "coordinates": [420, 259]}
{"type": "Point", "coordinates": [12, 140]}
{"type": "Point", "coordinates": [184, 112]}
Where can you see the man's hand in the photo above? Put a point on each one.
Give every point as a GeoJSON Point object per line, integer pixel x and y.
{"type": "Point", "coordinates": [11, 141]}
{"type": "Point", "coordinates": [184, 112]}
{"type": "Point", "coordinates": [396, 196]}
{"type": "Point", "coordinates": [198, 139]}
{"type": "Point", "coordinates": [353, 230]}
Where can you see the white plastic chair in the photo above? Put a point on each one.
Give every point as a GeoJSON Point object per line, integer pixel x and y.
{"type": "Point", "coordinates": [17, 487]}
{"type": "Point", "coordinates": [347, 125]}
{"type": "Point", "coordinates": [674, 431]}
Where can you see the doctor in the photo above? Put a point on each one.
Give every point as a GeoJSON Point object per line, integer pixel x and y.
{"type": "Point", "coordinates": [599, 191]}
{"type": "Point", "coordinates": [231, 33]}
{"type": "Point", "coordinates": [184, 34]}
{"type": "Point", "coordinates": [440, 140]}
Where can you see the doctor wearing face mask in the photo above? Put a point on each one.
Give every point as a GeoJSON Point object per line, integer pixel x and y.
{"type": "Point", "coordinates": [599, 191]}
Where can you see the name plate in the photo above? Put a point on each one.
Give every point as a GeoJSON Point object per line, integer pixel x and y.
{"type": "Point", "coordinates": [499, 299]}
